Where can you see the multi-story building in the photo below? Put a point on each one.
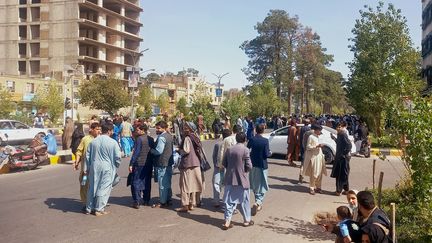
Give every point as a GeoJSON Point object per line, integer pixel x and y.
{"type": "Point", "coordinates": [427, 44]}
{"type": "Point", "coordinates": [210, 89]}
{"type": "Point", "coordinates": [51, 38]}
{"type": "Point", "coordinates": [41, 37]}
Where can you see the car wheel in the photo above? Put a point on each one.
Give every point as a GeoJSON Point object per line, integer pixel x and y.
{"type": "Point", "coordinates": [328, 155]}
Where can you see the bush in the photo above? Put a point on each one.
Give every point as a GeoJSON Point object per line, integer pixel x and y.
{"type": "Point", "coordinates": [413, 218]}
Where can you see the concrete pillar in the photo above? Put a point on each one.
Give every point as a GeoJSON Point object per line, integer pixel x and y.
{"type": "Point", "coordinates": [100, 3]}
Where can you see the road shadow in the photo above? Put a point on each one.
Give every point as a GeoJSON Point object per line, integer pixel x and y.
{"type": "Point", "coordinates": [203, 219]}
{"type": "Point", "coordinates": [65, 205]}
{"type": "Point", "coordinates": [289, 225]}
{"type": "Point", "coordinates": [125, 201]}
{"type": "Point", "coordinates": [284, 179]}
{"type": "Point", "coordinates": [291, 188]}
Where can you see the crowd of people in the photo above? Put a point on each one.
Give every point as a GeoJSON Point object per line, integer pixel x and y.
{"type": "Point", "coordinates": [240, 167]}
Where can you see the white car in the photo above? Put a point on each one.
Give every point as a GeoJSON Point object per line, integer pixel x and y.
{"type": "Point", "coordinates": [278, 142]}
{"type": "Point", "coordinates": [17, 133]}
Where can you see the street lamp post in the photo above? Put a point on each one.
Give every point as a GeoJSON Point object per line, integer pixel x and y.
{"type": "Point", "coordinates": [219, 82]}
{"type": "Point", "coordinates": [134, 60]}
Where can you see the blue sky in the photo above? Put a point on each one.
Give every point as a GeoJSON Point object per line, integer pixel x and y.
{"type": "Point", "coordinates": [206, 35]}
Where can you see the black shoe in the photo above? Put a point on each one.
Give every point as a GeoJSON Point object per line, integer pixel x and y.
{"type": "Point", "coordinates": [146, 203]}
{"type": "Point", "coordinates": [136, 205]}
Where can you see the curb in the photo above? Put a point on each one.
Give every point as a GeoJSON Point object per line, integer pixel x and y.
{"type": "Point", "coordinates": [387, 152]}
{"type": "Point", "coordinates": [207, 136]}
{"type": "Point", "coordinates": [62, 157]}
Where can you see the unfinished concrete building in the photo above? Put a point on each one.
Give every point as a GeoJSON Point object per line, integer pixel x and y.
{"type": "Point", "coordinates": [39, 38]}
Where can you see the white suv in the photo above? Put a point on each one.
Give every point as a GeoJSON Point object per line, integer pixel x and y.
{"type": "Point", "coordinates": [17, 132]}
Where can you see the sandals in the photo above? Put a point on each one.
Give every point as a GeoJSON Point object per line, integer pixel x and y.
{"type": "Point", "coordinates": [224, 227]}
{"type": "Point", "coordinates": [247, 224]}
{"type": "Point", "coordinates": [181, 210]}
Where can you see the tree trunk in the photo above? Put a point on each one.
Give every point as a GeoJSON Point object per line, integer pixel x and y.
{"type": "Point", "coordinates": [289, 101]}
{"type": "Point", "coordinates": [302, 99]}
{"type": "Point", "coordinates": [377, 125]}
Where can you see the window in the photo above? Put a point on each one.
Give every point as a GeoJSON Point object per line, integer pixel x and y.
{"type": "Point", "coordinates": [30, 88]}
{"type": "Point", "coordinates": [282, 132]}
{"type": "Point", "coordinates": [5, 125]}
{"type": "Point", "coordinates": [19, 125]}
{"type": "Point", "coordinates": [10, 85]}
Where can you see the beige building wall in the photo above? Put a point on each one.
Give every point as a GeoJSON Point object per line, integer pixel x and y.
{"type": "Point", "coordinates": [45, 38]}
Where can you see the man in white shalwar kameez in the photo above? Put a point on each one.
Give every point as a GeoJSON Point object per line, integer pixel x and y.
{"type": "Point", "coordinates": [103, 157]}
{"type": "Point", "coordinates": [314, 162]}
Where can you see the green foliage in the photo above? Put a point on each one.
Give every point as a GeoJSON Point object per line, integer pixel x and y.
{"type": "Point", "coordinates": [7, 106]}
{"type": "Point", "coordinates": [104, 93]}
{"type": "Point", "coordinates": [385, 65]}
{"type": "Point", "coordinates": [51, 100]}
{"type": "Point", "coordinates": [263, 100]}
{"type": "Point", "coordinates": [202, 104]}
{"type": "Point", "coordinates": [163, 102]}
{"type": "Point", "coordinates": [236, 106]}
{"type": "Point", "coordinates": [293, 58]}
{"type": "Point", "coordinates": [413, 129]}
{"type": "Point", "coordinates": [271, 53]}
{"type": "Point", "coordinates": [145, 100]}
{"type": "Point", "coordinates": [181, 106]}
{"type": "Point", "coordinates": [413, 218]}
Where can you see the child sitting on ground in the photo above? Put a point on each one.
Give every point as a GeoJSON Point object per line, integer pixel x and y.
{"type": "Point", "coordinates": [349, 230]}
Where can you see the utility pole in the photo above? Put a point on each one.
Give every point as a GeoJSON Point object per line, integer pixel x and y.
{"type": "Point", "coordinates": [134, 60]}
{"type": "Point", "coordinates": [219, 91]}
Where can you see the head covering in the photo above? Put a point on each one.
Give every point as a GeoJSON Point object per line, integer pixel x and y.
{"type": "Point", "coordinates": [316, 127]}
{"type": "Point", "coordinates": [192, 126]}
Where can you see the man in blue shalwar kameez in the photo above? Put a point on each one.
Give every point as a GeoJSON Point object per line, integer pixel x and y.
{"type": "Point", "coordinates": [103, 157]}
{"type": "Point", "coordinates": [258, 175]}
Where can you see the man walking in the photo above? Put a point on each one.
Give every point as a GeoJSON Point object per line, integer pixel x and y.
{"type": "Point", "coordinates": [94, 131]}
{"type": "Point", "coordinates": [341, 167]}
{"type": "Point", "coordinates": [260, 151]}
{"type": "Point", "coordinates": [163, 163]}
{"type": "Point", "coordinates": [126, 137]}
{"type": "Point", "coordinates": [102, 160]}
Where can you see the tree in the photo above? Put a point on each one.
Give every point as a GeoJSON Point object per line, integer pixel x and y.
{"type": "Point", "coordinates": [271, 53]}
{"type": "Point", "coordinates": [385, 65]}
{"type": "Point", "coordinates": [7, 106]}
{"type": "Point", "coordinates": [163, 102]}
{"type": "Point", "coordinates": [182, 105]}
{"type": "Point", "coordinates": [152, 77]}
{"type": "Point", "coordinates": [145, 100]}
{"type": "Point", "coordinates": [311, 62]}
{"type": "Point", "coordinates": [104, 93]}
{"type": "Point", "coordinates": [329, 93]}
{"type": "Point", "coordinates": [202, 104]}
{"type": "Point", "coordinates": [51, 100]}
{"type": "Point", "coordinates": [263, 99]}
{"type": "Point", "coordinates": [190, 72]}
{"type": "Point", "coordinates": [236, 106]}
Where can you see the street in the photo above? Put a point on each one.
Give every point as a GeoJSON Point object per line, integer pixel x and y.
{"type": "Point", "coordinates": [43, 206]}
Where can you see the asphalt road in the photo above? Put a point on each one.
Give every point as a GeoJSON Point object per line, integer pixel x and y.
{"type": "Point", "coordinates": [43, 206]}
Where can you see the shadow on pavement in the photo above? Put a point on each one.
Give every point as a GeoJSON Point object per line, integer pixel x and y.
{"type": "Point", "coordinates": [290, 225]}
{"type": "Point", "coordinates": [203, 219]}
{"type": "Point", "coordinates": [291, 188]}
{"type": "Point", "coordinates": [65, 204]}
{"type": "Point", "coordinates": [284, 179]}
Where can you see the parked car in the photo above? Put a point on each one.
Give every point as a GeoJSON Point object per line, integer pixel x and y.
{"type": "Point", "coordinates": [278, 142]}
{"type": "Point", "coordinates": [17, 132]}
